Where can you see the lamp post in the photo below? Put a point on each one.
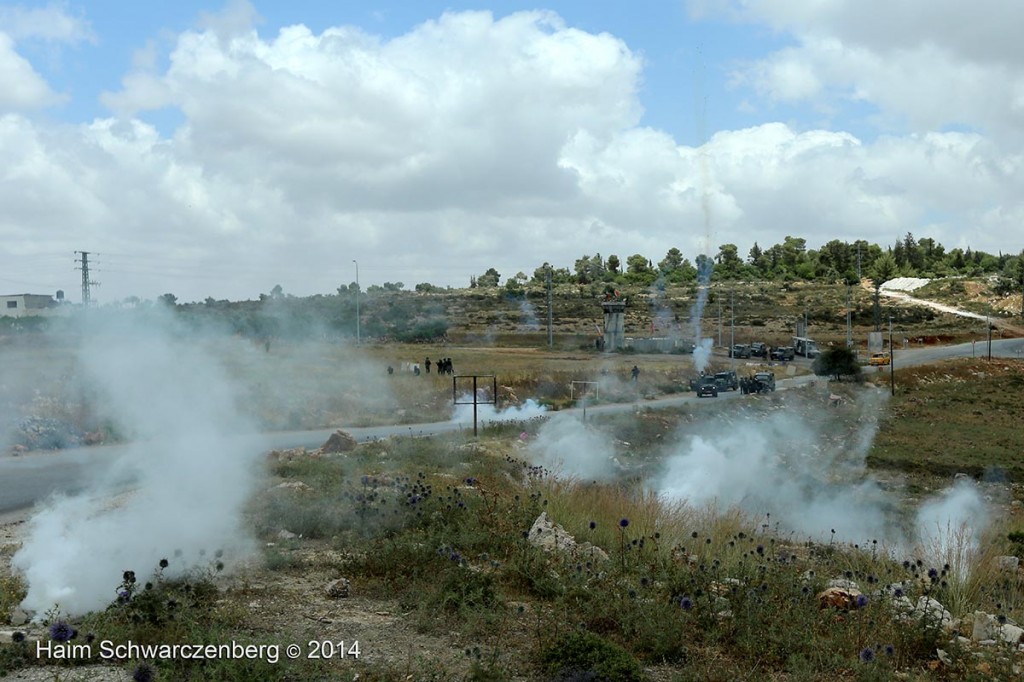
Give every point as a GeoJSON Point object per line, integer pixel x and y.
{"type": "Point", "coordinates": [358, 338]}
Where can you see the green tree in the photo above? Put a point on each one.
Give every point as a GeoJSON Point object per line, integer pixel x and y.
{"type": "Point", "coordinates": [488, 279]}
{"type": "Point", "coordinates": [672, 261]}
{"type": "Point", "coordinates": [169, 300]}
{"type": "Point", "coordinates": [838, 363]}
{"type": "Point", "coordinates": [728, 261]}
{"type": "Point", "coordinates": [614, 264]}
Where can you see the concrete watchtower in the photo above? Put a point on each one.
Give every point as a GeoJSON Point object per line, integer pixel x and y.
{"type": "Point", "coordinates": [614, 323]}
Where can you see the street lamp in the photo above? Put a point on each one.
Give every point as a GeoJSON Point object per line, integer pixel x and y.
{"type": "Point", "coordinates": [358, 338]}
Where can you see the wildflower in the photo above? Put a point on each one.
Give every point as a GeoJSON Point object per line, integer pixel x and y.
{"type": "Point", "coordinates": [760, 550]}
{"type": "Point", "coordinates": [623, 523]}
{"type": "Point", "coordinates": [685, 603]}
{"type": "Point", "coordinates": [906, 564]}
{"type": "Point", "coordinates": [143, 673]}
{"type": "Point", "coordinates": [61, 632]}
{"type": "Point", "coordinates": [593, 525]}
{"type": "Point", "coordinates": [164, 563]}
{"type": "Point", "coordinates": [1001, 618]}
{"type": "Point", "coordinates": [890, 650]}
{"type": "Point", "coordinates": [861, 601]}
{"type": "Point", "coordinates": [898, 592]}
{"type": "Point", "coordinates": [694, 535]}
{"type": "Point", "coordinates": [867, 655]}
{"type": "Point", "coordinates": [18, 637]}
{"type": "Point", "coordinates": [128, 576]}
{"type": "Point", "coordinates": [123, 597]}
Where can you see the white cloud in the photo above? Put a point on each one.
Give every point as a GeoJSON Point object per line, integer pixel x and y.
{"type": "Point", "coordinates": [51, 23]}
{"type": "Point", "coordinates": [924, 64]}
{"type": "Point", "coordinates": [23, 88]}
{"type": "Point", "coordinates": [469, 142]}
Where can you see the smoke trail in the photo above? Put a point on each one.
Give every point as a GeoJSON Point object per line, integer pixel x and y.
{"type": "Point", "coordinates": [702, 346]}
{"type": "Point", "coordinates": [192, 473]}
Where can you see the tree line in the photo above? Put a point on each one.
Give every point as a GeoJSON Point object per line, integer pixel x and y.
{"type": "Point", "coordinates": [836, 261]}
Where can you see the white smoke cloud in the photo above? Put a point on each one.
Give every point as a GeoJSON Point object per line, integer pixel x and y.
{"type": "Point", "coordinates": [570, 447]}
{"type": "Point", "coordinates": [192, 473]}
{"type": "Point", "coordinates": [489, 413]}
{"type": "Point", "coordinates": [950, 524]}
{"type": "Point", "coordinates": [808, 476]}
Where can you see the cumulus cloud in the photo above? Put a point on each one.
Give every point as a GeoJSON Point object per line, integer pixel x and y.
{"type": "Point", "coordinates": [925, 65]}
{"type": "Point", "coordinates": [474, 141]}
{"type": "Point", "coordinates": [24, 89]}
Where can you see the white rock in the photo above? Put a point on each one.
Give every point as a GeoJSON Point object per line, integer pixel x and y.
{"type": "Point", "coordinates": [18, 617]}
{"type": "Point", "coordinates": [944, 657]}
{"type": "Point", "coordinates": [1012, 634]}
{"type": "Point", "coordinates": [286, 535]}
{"type": "Point", "coordinates": [933, 611]}
{"type": "Point", "coordinates": [843, 584]}
{"type": "Point", "coordinates": [985, 627]}
{"type": "Point", "coordinates": [1007, 563]}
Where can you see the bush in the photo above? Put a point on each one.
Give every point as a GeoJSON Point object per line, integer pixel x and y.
{"type": "Point", "coordinates": [582, 655]}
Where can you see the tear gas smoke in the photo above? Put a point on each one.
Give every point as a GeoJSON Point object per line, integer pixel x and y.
{"type": "Point", "coordinates": [192, 473]}
{"type": "Point", "coordinates": [950, 525]}
{"type": "Point", "coordinates": [569, 447]}
{"type": "Point", "coordinates": [808, 480]}
{"type": "Point", "coordinates": [528, 320]}
{"type": "Point", "coordinates": [489, 413]}
{"type": "Point", "coordinates": [701, 359]}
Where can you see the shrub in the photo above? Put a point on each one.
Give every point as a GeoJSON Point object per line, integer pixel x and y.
{"type": "Point", "coordinates": [582, 655]}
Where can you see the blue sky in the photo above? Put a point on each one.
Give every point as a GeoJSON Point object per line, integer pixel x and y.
{"type": "Point", "coordinates": [201, 148]}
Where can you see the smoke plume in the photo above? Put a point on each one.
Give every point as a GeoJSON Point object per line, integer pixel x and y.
{"type": "Point", "coordinates": [191, 472]}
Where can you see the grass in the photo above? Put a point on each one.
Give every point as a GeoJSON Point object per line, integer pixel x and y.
{"type": "Point", "coordinates": [958, 416]}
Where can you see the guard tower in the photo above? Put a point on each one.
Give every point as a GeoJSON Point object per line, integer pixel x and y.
{"type": "Point", "coordinates": [614, 323]}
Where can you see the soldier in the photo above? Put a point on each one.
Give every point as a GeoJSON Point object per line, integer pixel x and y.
{"type": "Point", "coordinates": [635, 372]}
{"type": "Point", "coordinates": [426, 363]}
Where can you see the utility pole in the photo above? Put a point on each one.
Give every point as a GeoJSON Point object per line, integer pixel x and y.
{"type": "Point", "coordinates": [87, 284]}
{"type": "Point", "coordinates": [551, 338]}
{"type": "Point", "coordinates": [892, 361]}
{"type": "Point", "coordinates": [732, 323]}
{"type": "Point", "coordinates": [988, 323]}
{"type": "Point", "coordinates": [849, 325]}
{"type": "Point", "coordinates": [719, 320]}
{"type": "Point", "coordinates": [358, 335]}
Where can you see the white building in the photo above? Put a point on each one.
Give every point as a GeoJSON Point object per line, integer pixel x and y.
{"type": "Point", "coordinates": [25, 305]}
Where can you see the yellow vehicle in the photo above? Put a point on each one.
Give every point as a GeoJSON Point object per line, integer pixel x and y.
{"type": "Point", "coordinates": [879, 359]}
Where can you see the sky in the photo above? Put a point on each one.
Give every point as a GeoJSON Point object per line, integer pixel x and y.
{"type": "Point", "coordinates": [211, 149]}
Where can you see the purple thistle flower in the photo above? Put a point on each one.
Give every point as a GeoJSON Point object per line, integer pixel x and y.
{"type": "Point", "coordinates": [686, 603]}
{"type": "Point", "coordinates": [18, 637]}
{"type": "Point", "coordinates": [890, 650]}
{"type": "Point", "coordinates": [143, 673]}
{"type": "Point", "coordinates": [593, 525]}
{"type": "Point", "coordinates": [861, 601]}
{"type": "Point", "coordinates": [867, 655]}
{"type": "Point", "coordinates": [623, 523]}
{"type": "Point", "coordinates": [61, 632]}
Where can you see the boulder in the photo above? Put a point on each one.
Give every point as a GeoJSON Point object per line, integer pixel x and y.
{"type": "Point", "coordinates": [339, 589]}
{"type": "Point", "coordinates": [931, 611]}
{"type": "Point", "coordinates": [549, 536]}
{"type": "Point", "coordinates": [1007, 563]}
{"type": "Point", "coordinates": [339, 441]}
{"type": "Point", "coordinates": [838, 597]}
{"type": "Point", "coordinates": [18, 617]}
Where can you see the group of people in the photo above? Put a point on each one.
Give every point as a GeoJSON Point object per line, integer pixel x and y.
{"type": "Point", "coordinates": [444, 366]}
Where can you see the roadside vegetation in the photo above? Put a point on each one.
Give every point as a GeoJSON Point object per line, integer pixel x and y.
{"type": "Point", "coordinates": [442, 582]}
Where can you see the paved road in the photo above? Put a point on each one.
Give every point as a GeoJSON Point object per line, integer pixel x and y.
{"type": "Point", "coordinates": [28, 478]}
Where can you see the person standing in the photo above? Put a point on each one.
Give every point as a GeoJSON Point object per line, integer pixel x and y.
{"type": "Point", "coordinates": [636, 373]}
{"type": "Point", "coordinates": [426, 363]}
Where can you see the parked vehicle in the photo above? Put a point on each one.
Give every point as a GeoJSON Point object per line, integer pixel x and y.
{"type": "Point", "coordinates": [758, 350]}
{"type": "Point", "coordinates": [805, 347]}
{"type": "Point", "coordinates": [763, 382]}
{"type": "Point", "coordinates": [879, 359]}
{"type": "Point", "coordinates": [727, 381]}
{"type": "Point", "coordinates": [783, 353]}
{"type": "Point", "coordinates": [740, 350]}
{"type": "Point", "coordinates": [708, 389]}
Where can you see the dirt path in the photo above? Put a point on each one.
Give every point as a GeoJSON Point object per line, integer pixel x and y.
{"type": "Point", "coordinates": [952, 310]}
